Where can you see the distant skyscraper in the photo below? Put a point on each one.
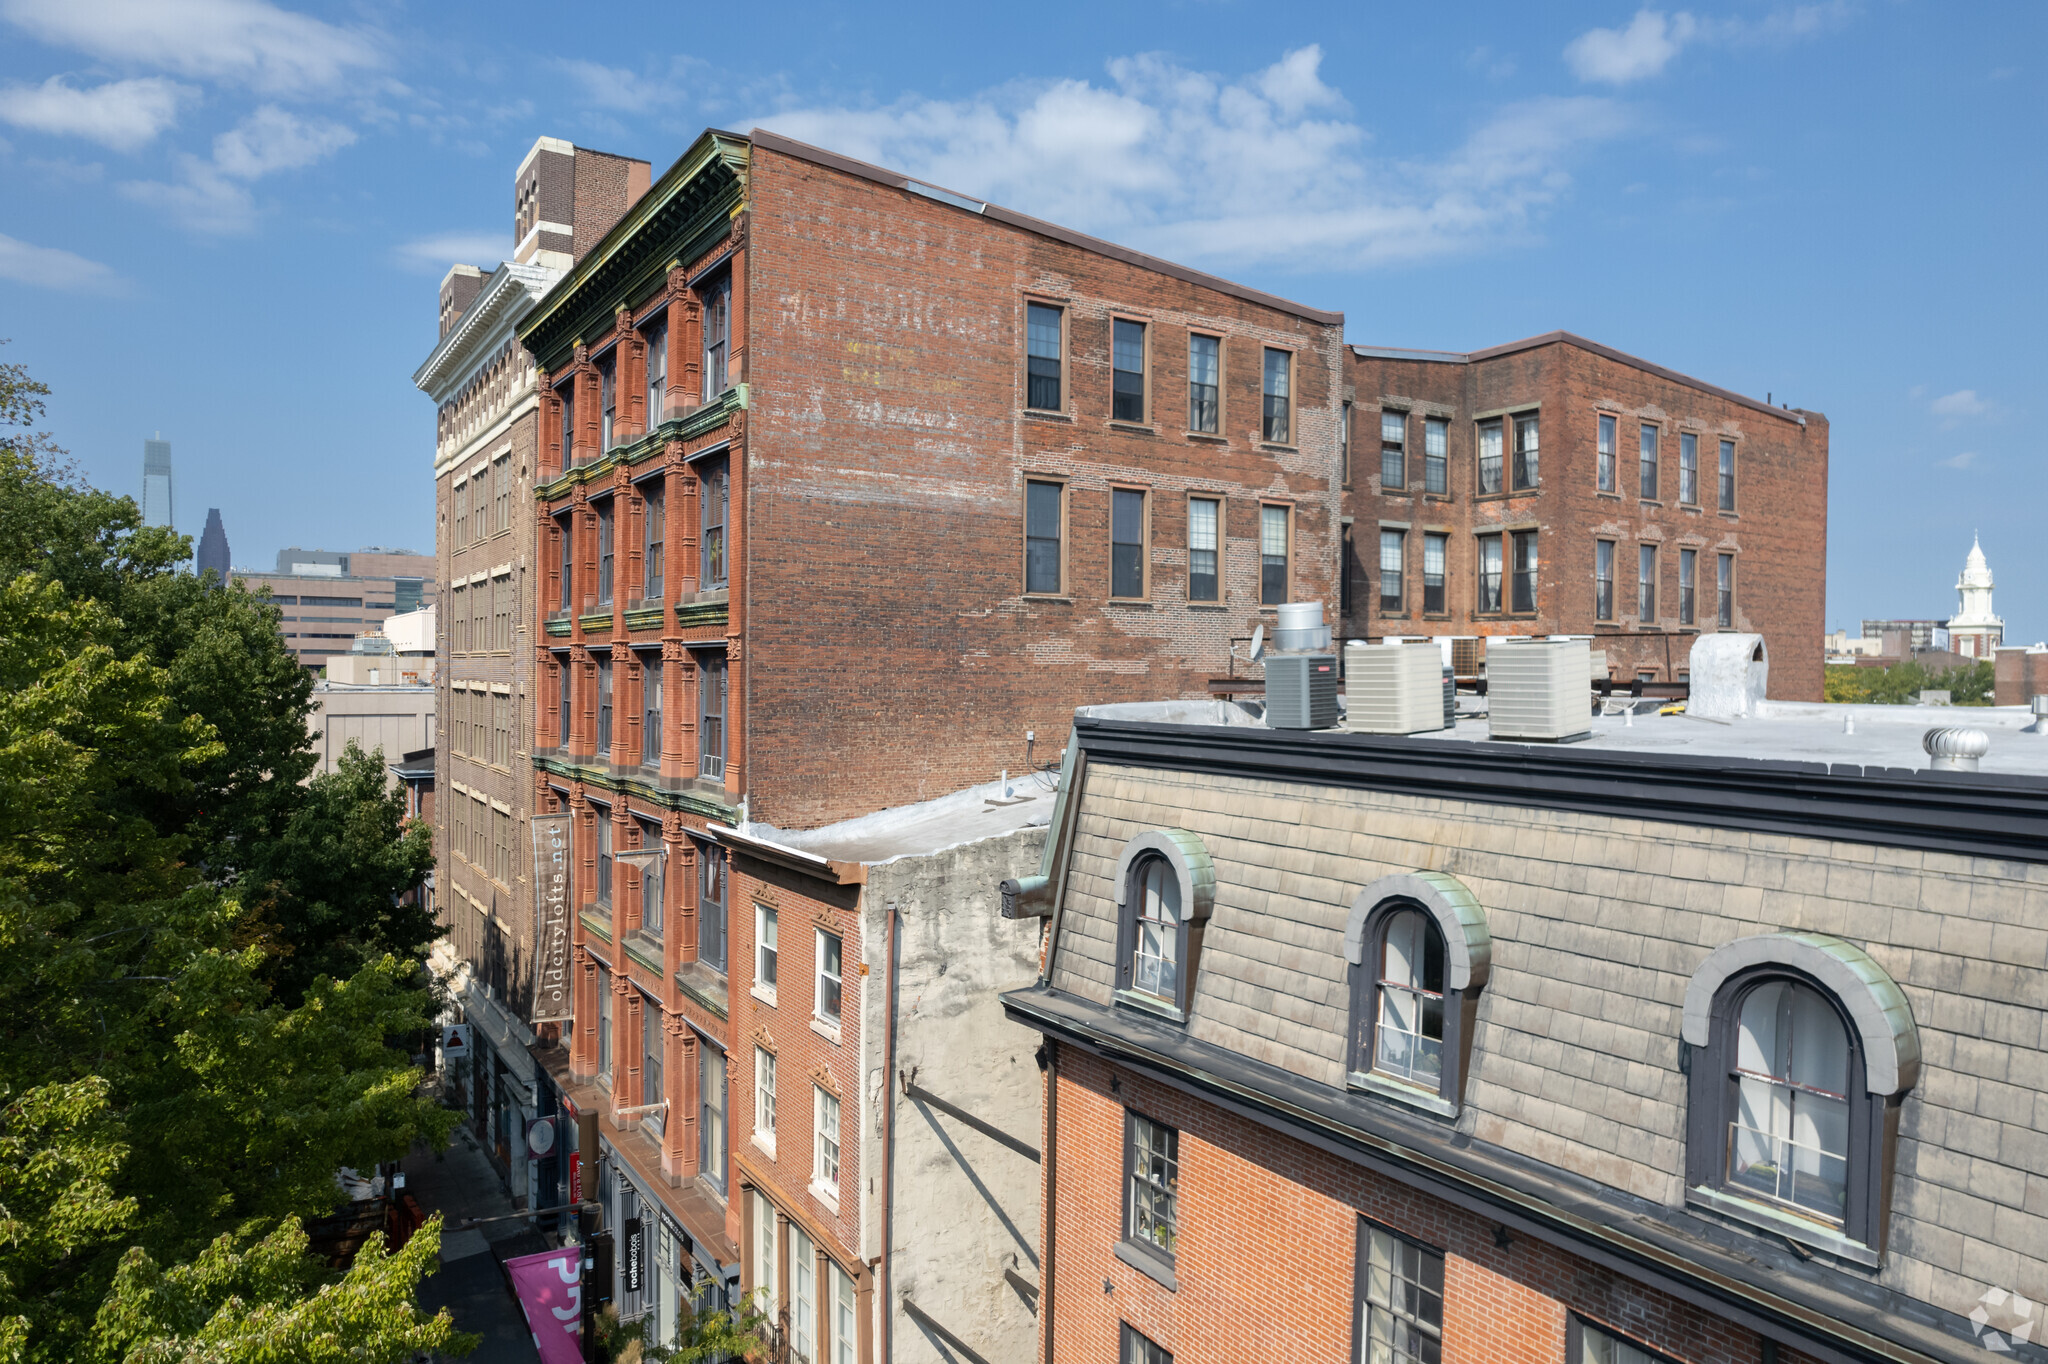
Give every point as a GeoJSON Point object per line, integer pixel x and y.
{"type": "Point", "coordinates": [156, 482]}
{"type": "Point", "coordinates": [213, 547]}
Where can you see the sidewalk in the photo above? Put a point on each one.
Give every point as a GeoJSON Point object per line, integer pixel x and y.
{"type": "Point", "coordinates": [460, 1183]}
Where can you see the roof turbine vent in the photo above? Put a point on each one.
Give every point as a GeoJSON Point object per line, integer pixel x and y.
{"type": "Point", "coordinates": [1953, 748]}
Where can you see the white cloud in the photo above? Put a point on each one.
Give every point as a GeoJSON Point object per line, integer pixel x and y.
{"type": "Point", "coordinates": [51, 268]}
{"type": "Point", "coordinates": [1198, 167]}
{"type": "Point", "coordinates": [251, 42]}
{"type": "Point", "coordinates": [1966, 460]}
{"type": "Point", "coordinates": [1618, 56]}
{"type": "Point", "coordinates": [212, 196]}
{"type": "Point", "coordinates": [1964, 402]}
{"type": "Point", "coordinates": [123, 115]}
{"type": "Point", "coordinates": [615, 87]}
{"type": "Point", "coordinates": [433, 255]}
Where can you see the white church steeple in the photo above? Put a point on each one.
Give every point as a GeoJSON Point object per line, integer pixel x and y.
{"type": "Point", "coordinates": [1974, 631]}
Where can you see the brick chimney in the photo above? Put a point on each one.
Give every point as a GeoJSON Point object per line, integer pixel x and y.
{"type": "Point", "coordinates": [565, 198]}
{"type": "Point", "coordinates": [458, 290]}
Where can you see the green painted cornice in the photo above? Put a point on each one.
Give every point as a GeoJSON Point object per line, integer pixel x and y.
{"type": "Point", "coordinates": [703, 613]}
{"type": "Point", "coordinates": [601, 776]}
{"type": "Point", "coordinates": [679, 218]}
{"type": "Point", "coordinates": [692, 424]}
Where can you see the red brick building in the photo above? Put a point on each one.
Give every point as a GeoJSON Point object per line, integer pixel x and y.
{"type": "Point", "coordinates": [1558, 486]}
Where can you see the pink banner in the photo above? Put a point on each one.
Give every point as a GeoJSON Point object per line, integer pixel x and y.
{"type": "Point", "coordinates": [550, 1289]}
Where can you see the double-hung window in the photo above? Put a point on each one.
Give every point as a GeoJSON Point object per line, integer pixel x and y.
{"type": "Point", "coordinates": [1728, 475]}
{"type": "Point", "coordinates": [1688, 468]}
{"type": "Point", "coordinates": [607, 527]}
{"type": "Point", "coordinates": [461, 500]}
{"type": "Point", "coordinates": [604, 1025]}
{"type": "Point", "coordinates": [1278, 395]}
{"type": "Point", "coordinates": [656, 335]}
{"type": "Point", "coordinates": [764, 1095]}
{"type": "Point", "coordinates": [715, 502]}
{"type": "Point", "coordinates": [1152, 1176]}
{"type": "Point", "coordinates": [1724, 585]}
{"type": "Point", "coordinates": [1603, 580]}
{"type": "Point", "coordinates": [1435, 549]}
{"type": "Point", "coordinates": [1275, 537]}
{"type": "Point", "coordinates": [650, 709]}
{"type": "Point", "coordinates": [1489, 574]}
{"type": "Point", "coordinates": [604, 854]}
{"type": "Point", "coordinates": [651, 1091]}
{"type": "Point", "coordinates": [608, 400]}
{"type": "Point", "coordinates": [825, 1142]}
{"type": "Point", "coordinates": [1648, 444]}
{"type": "Point", "coordinates": [764, 949]}
{"type": "Point", "coordinates": [1688, 572]}
{"type": "Point", "coordinates": [654, 525]}
{"type": "Point", "coordinates": [1401, 1299]}
{"type": "Point", "coordinates": [1127, 375]}
{"type": "Point", "coordinates": [711, 697]}
{"type": "Point", "coordinates": [1205, 386]}
{"type": "Point", "coordinates": [1138, 1348]}
{"type": "Point", "coordinates": [1590, 1344]}
{"type": "Point", "coordinates": [1126, 542]}
{"type": "Point", "coordinates": [1205, 520]}
{"type": "Point", "coordinates": [830, 983]}
{"type": "Point", "coordinates": [653, 891]}
{"type": "Point", "coordinates": [717, 336]}
{"type": "Point", "coordinates": [1646, 583]}
{"type": "Point", "coordinates": [1393, 551]}
{"type": "Point", "coordinates": [1394, 450]}
{"type": "Point", "coordinates": [1042, 325]}
{"type": "Point", "coordinates": [1489, 456]}
{"type": "Point", "coordinates": [711, 908]}
{"type": "Point", "coordinates": [564, 529]}
{"type": "Point", "coordinates": [604, 708]}
{"type": "Point", "coordinates": [766, 1299]}
{"type": "Point", "coordinates": [1606, 453]}
{"type": "Point", "coordinates": [1436, 458]}
{"type": "Point", "coordinates": [711, 1110]}
{"type": "Point", "coordinates": [1788, 1141]}
{"type": "Point", "coordinates": [565, 678]}
{"type": "Point", "coordinates": [1525, 570]}
{"type": "Point", "coordinates": [803, 1295]}
{"type": "Point", "coordinates": [566, 395]}
{"type": "Point", "coordinates": [1044, 517]}
{"type": "Point", "coordinates": [501, 494]}
{"type": "Point", "coordinates": [1526, 472]}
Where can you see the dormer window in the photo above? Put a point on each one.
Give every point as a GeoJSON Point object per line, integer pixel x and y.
{"type": "Point", "coordinates": [1420, 954]}
{"type": "Point", "coordinates": [1166, 886]}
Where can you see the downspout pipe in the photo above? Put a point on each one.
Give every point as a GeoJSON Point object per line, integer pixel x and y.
{"type": "Point", "coordinates": [1052, 1190]}
{"type": "Point", "coordinates": [888, 1285]}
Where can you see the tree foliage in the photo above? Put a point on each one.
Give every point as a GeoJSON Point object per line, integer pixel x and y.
{"type": "Point", "coordinates": [1968, 684]}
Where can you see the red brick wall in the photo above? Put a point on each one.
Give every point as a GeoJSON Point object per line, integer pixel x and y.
{"type": "Point", "coordinates": [1266, 1257]}
{"type": "Point", "coordinates": [1778, 532]}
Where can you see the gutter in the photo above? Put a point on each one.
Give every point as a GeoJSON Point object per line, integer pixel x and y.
{"type": "Point", "coordinates": [887, 1274]}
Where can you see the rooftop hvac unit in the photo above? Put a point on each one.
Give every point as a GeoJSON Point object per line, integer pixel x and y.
{"type": "Point", "coordinates": [1299, 625]}
{"type": "Point", "coordinates": [1391, 688]}
{"type": "Point", "coordinates": [1539, 690]}
{"type": "Point", "coordinates": [1468, 654]}
{"type": "Point", "coordinates": [1301, 691]}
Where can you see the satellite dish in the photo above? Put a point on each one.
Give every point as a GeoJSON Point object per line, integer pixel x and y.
{"type": "Point", "coordinates": [1258, 649]}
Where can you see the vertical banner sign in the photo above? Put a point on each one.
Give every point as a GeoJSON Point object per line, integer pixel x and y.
{"type": "Point", "coordinates": [552, 995]}
{"type": "Point", "coordinates": [634, 1269]}
{"type": "Point", "coordinates": [550, 1289]}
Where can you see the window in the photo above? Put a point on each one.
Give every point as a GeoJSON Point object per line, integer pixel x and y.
{"type": "Point", "coordinates": [1204, 383]}
{"type": "Point", "coordinates": [1606, 453]}
{"type": "Point", "coordinates": [604, 708]}
{"type": "Point", "coordinates": [1603, 580]}
{"type": "Point", "coordinates": [1408, 1013]}
{"type": "Point", "coordinates": [604, 1025]}
{"type": "Point", "coordinates": [830, 979]}
{"type": "Point", "coordinates": [825, 1142]}
{"type": "Point", "coordinates": [764, 948]}
{"type": "Point", "coordinates": [845, 1327]}
{"type": "Point", "coordinates": [605, 548]}
{"type": "Point", "coordinates": [460, 498]}
{"type": "Point", "coordinates": [1126, 543]}
{"type": "Point", "coordinates": [1525, 570]}
{"type": "Point", "coordinates": [1724, 583]}
{"type": "Point", "coordinates": [1042, 533]}
{"type": "Point", "coordinates": [764, 1095]}
{"type": "Point", "coordinates": [1489, 456]}
{"type": "Point", "coordinates": [1127, 376]}
{"type": "Point", "coordinates": [1586, 1343]}
{"type": "Point", "coordinates": [1042, 357]}
{"type": "Point", "coordinates": [1139, 1349]}
{"type": "Point", "coordinates": [1278, 379]}
{"type": "Point", "coordinates": [607, 400]}
{"type": "Point", "coordinates": [604, 855]}
{"type": "Point", "coordinates": [711, 1116]}
{"type": "Point", "coordinates": [653, 887]}
{"type": "Point", "coordinates": [502, 607]}
{"type": "Point", "coordinates": [501, 495]}
{"type": "Point", "coordinates": [1646, 583]}
{"type": "Point", "coordinates": [565, 678]}
{"type": "Point", "coordinates": [567, 396]}
{"type": "Point", "coordinates": [656, 335]}
{"type": "Point", "coordinates": [501, 731]}
{"type": "Point", "coordinates": [1728, 475]}
{"type": "Point", "coordinates": [716, 503]}
{"type": "Point", "coordinates": [711, 909]}
{"type": "Point", "coordinates": [1436, 467]}
{"type": "Point", "coordinates": [717, 336]}
{"type": "Point", "coordinates": [568, 564]}
{"type": "Point", "coordinates": [803, 1295]}
{"type": "Point", "coordinates": [1789, 1140]}
{"type": "Point", "coordinates": [651, 1091]}
{"type": "Point", "coordinates": [1152, 956]}
{"type": "Point", "coordinates": [1688, 570]}
{"type": "Point", "coordinates": [765, 1297]}
{"type": "Point", "coordinates": [650, 710]}
{"type": "Point", "coordinates": [711, 697]}
{"type": "Point", "coordinates": [1393, 450]}
{"type": "Point", "coordinates": [1393, 544]}
{"type": "Point", "coordinates": [1526, 473]}
{"type": "Point", "coordinates": [1152, 1171]}
{"type": "Point", "coordinates": [1205, 515]}
{"type": "Point", "coordinates": [1274, 540]}
{"type": "Point", "coordinates": [1688, 468]}
{"type": "Point", "coordinates": [1435, 548]}
{"type": "Point", "coordinates": [1401, 1299]}
{"type": "Point", "coordinates": [1489, 573]}
{"type": "Point", "coordinates": [1344, 445]}
{"type": "Point", "coordinates": [1649, 462]}
{"type": "Point", "coordinates": [654, 523]}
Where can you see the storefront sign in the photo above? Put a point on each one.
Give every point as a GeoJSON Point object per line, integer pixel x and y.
{"type": "Point", "coordinates": [553, 995]}
{"type": "Point", "coordinates": [550, 1289]}
{"type": "Point", "coordinates": [633, 1259]}
{"type": "Point", "coordinates": [540, 1136]}
{"type": "Point", "coordinates": [575, 1176]}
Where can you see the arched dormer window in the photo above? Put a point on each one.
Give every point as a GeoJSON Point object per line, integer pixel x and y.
{"type": "Point", "coordinates": [1166, 886]}
{"type": "Point", "coordinates": [1420, 954]}
{"type": "Point", "coordinates": [1800, 1049]}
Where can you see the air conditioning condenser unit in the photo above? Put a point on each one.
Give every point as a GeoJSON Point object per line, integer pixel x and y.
{"type": "Point", "coordinates": [1539, 690]}
{"type": "Point", "coordinates": [1393, 688]}
{"type": "Point", "coordinates": [1301, 691]}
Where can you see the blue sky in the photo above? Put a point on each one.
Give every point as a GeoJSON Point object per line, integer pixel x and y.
{"type": "Point", "coordinates": [226, 219]}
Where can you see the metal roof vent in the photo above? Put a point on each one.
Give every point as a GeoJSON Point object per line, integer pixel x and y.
{"type": "Point", "coordinates": [2040, 725]}
{"type": "Point", "coordinates": [1955, 749]}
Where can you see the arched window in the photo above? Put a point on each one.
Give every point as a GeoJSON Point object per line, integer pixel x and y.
{"type": "Point", "coordinates": [1420, 953]}
{"type": "Point", "coordinates": [1800, 1050]}
{"type": "Point", "coordinates": [1156, 945]}
{"type": "Point", "coordinates": [1165, 887]}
